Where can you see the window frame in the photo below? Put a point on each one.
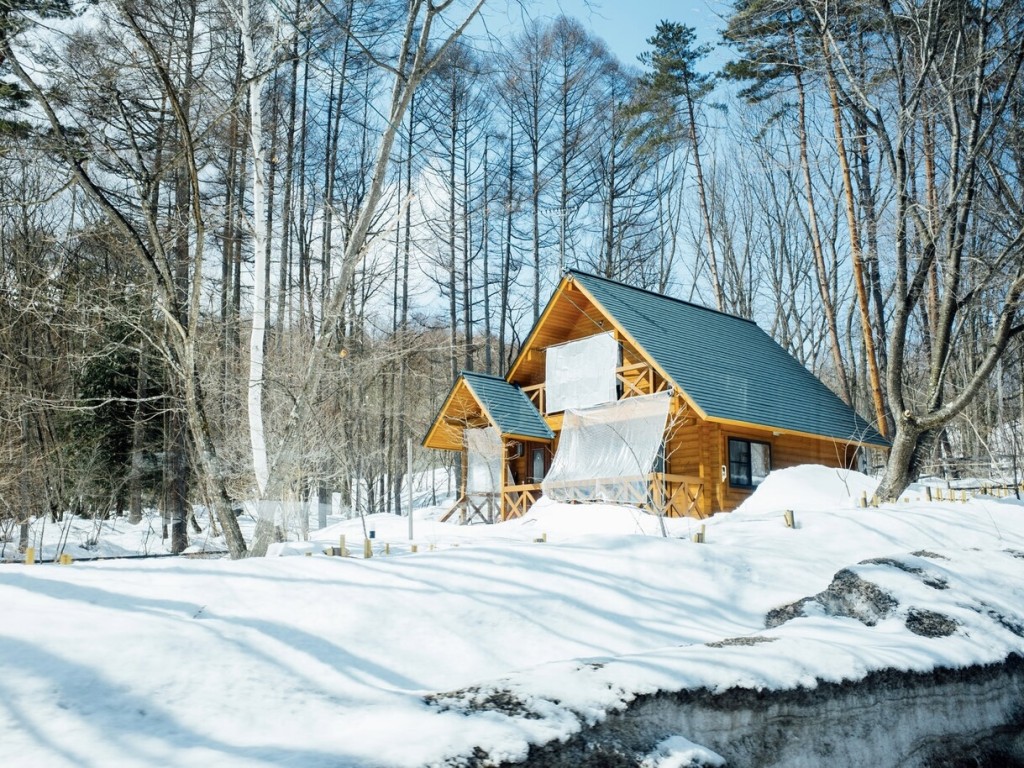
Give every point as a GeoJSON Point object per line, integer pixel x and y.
{"type": "Point", "coordinates": [751, 485]}
{"type": "Point", "coordinates": [531, 466]}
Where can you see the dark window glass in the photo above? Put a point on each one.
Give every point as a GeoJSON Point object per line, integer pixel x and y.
{"type": "Point", "coordinates": [537, 465]}
{"type": "Point", "coordinates": [749, 462]}
{"type": "Point", "coordinates": [659, 460]}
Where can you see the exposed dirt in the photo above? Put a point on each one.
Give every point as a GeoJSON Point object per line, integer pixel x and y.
{"type": "Point", "coordinates": [887, 720]}
{"type": "Point", "coordinates": [848, 595]}
{"type": "Point", "coordinates": [929, 623]}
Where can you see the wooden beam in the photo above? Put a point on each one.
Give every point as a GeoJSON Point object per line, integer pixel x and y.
{"type": "Point", "coordinates": [796, 433]}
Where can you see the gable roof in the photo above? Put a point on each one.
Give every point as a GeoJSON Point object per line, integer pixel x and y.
{"type": "Point", "coordinates": [499, 403]}
{"type": "Point", "coordinates": [508, 406]}
{"type": "Point", "coordinates": [728, 367]}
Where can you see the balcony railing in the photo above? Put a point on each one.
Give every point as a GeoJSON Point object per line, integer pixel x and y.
{"type": "Point", "coordinates": [662, 493]}
{"type": "Point", "coordinates": [635, 379]}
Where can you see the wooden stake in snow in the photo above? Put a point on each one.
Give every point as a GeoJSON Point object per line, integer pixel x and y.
{"type": "Point", "coordinates": [30, 555]}
{"type": "Point", "coordinates": [367, 549]}
{"type": "Point", "coordinates": [414, 548]}
{"type": "Point", "coordinates": [864, 499]}
{"type": "Point", "coordinates": [341, 549]}
{"type": "Point", "coordinates": [65, 559]}
{"type": "Point", "coordinates": [408, 481]}
{"type": "Point", "coordinates": [789, 518]}
{"type": "Point", "coordinates": [928, 492]}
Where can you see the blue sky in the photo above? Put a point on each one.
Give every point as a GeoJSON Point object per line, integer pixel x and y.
{"type": "Point", "coordinates": [625, 25]}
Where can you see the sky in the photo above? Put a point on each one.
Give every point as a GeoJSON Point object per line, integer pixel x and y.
{"type": "Point", "coordinates": [626, 25]}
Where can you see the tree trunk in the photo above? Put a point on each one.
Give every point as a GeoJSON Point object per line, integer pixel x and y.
{"type": "Point", "coordinates": [138, 428]}
{"type": "Point", "coordinates": [716, 282]}
{"type": "Point", "coordinates": [912, 449]}
{"type": "Point", "coordinates": [856, 256]}
{"type": "Point", "coordinates": [261, 466]}
{"type": "Point", "coordinates": [827, 303]}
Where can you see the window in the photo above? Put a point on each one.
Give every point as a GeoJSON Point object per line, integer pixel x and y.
{"type": "Point", "coordinates": [659, 460]}
{"type": "Point", "coordinates": [536, 465]}
{"type": "Point", "coordinates": [749, 462]}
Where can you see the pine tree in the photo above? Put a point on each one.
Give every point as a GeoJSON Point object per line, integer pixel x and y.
{"type": "Point", "coordinates": [16, 16]}
{"type": "Point", "coordinates": [671, 92]}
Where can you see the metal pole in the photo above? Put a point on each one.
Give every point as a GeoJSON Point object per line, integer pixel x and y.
{"type": "Point", "coordinates": [408, 480]}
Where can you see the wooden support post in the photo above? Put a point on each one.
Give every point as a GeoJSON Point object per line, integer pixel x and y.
{"type": "Point", "coordinates": [342, 552]}
{"type": "Point", "coordinates": [928, 493]}
{"type": "Point", "coordinates": [30, 555]}
{"type": "Point", "coordinates": [864, 500]}
{"type": "Point", "coordinates": [963, 496]}
{"type": "Point", "coordinates": [788, 517]}
{"type": "Point", "coordinates": [367, 549]}
{"type": "Point", "coordinates": [65, 559]}
{"type": "Point", "coordinates": [502, 480]}
{"type": "Point", "coordinates": [414, 548]}
{"type": "Point", "coordinates": [874, 500]}
{"type": "Point", "coordinates": [387, 549]}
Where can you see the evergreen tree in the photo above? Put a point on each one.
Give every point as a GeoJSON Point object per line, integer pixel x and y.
{"type": "Point", "coordinates": [15, 17]}
{"type": "Point", "coordinates": [671, 92]}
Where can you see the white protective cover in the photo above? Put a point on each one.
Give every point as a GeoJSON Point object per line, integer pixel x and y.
{"type": "Point", "coordinates": [483, 452]}
{"type": "Point", "coordinates": [601, 446]}
{"type": "Point", "coordinates": [581, 373]}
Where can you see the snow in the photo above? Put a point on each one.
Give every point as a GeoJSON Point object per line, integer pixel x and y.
{"type": "Point", "coordinates": [566, 614]}
{"type": "Point", "coordinates": [808, 488]}
{"type": "Point", "coordinates": [678, 752]}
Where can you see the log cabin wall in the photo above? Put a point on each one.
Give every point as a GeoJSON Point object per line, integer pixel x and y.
{"type": "Point", "coordinates": [701, 448]}
{"type": "Point", "coordinates": [787, 450]}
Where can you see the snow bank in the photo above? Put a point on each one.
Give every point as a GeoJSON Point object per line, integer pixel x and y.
{"type": "Point", "coordinates": [486, 638]}
{"type": "Point", "coordinates": [807, 488]}
{"type": "Point", "coordinates": [591, 518]}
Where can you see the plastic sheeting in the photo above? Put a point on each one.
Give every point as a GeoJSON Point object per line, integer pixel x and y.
{"type": "Point", "coordinates": [605, 453]}
{"type": "Point", "coordinates": [483, 452]}
{"type": "Point", "coordinates": [581, 373]}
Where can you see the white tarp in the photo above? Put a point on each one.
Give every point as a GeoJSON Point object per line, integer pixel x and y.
{"type": "Point", "coordinates": [483, 452]}
{"type": "Point", "coordinates": [581, 373]}
{"type": "Point", "coordinates": [605, 453]}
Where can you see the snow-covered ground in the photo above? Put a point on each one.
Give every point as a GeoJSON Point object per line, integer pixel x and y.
{"type": "Point", "coordinates": [316, 660]}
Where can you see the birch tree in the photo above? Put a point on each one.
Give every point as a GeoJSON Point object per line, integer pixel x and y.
{"type": "Point", "coordinates": [427, 34]}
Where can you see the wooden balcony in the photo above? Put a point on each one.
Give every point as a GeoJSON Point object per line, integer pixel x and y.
{"type": "Point", "coordinates": [635, 379]}
{"type": "Point", "coordinates": [671, 495]}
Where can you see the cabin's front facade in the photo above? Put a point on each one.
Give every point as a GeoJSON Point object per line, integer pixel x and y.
{"type": "Point", "coordinates": [738, 405]}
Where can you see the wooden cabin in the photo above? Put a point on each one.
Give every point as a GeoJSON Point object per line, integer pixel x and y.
{"type": "Point", "coordinates": [738, 405]}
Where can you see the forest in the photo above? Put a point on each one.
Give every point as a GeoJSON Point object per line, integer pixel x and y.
{"type": "Point", "coordinates": [246, 246]}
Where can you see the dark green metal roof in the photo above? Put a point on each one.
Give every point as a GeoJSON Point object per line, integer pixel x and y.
{"type": "Point", "coordinates": [509, 406]}
{"type": "Point", "coordinates": [727, 365]}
